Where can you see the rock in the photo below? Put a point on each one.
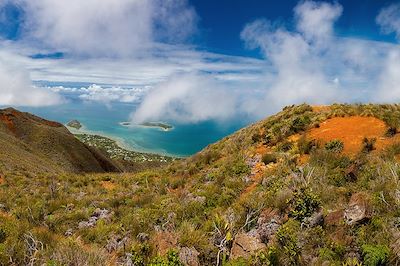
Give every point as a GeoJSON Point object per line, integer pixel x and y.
{"type": "Point", "coordinates": [97, 215]}
{"type": "Point", "coordinates": [69, 232]}
{"type": "Point", "coordinates": [253, 161]}
{"type": "Point", "coordinates": [358, 209]}
{"type": "Point", "coordinates": [194, 198]}
{"type": "Point", "coordinates": [101, 213]}
{"type": "Point", "coordinates": [3, 207]}
{"type": "Point", "coordinates": [143, 237]}
{"type": "Point", "coordinates": [334, 218]}
{"type": "Point", "coordinates": [189, 256]}
{"type": "Point", "coordinates": [115, 243]}
{"type": "Point", "coordinates": [246, 244]}
{"type": "Point", "coordinates": [268, 224]}
{"type": "Point", "coordinates": [315, 219]}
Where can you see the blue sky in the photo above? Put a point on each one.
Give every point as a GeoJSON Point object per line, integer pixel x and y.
{"type": "Point", "coordinates": [199, 60]}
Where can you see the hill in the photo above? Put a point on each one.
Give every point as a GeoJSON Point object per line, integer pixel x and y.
{"type": "Point", "coordinates": [311, 185]}
{"type": "Point", "coordinates": [35, 145]}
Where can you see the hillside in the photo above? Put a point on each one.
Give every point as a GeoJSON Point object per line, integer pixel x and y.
{"type": "Point", "coordinates": [308, 186]}
{"type": "Point", "coordinates": [33, 144]}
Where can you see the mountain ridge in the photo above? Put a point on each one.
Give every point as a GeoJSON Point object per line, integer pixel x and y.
{"type": "Point", "coordinates": [286, 190]}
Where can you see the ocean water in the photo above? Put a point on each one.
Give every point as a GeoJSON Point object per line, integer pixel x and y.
{"type": "Point", "coordinates": [183, 140]}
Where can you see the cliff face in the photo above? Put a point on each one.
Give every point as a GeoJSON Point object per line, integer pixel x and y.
{"type": "Point", "coordinates": [34, 143]}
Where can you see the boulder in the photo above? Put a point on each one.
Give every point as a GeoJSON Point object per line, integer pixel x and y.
{"type": "Point", "coordinates": [189, 256]}
{"type": "Point", "coordinates": [358, 209]}
{"type": "Point", "coordinates": [246, 244]}
{"type": "Point", "coordinates": [115, 243]}
{"type": "Point", "coordinates": [143, 237]}
{"type": "Point", "coordinates": [334, 218]}
{"type": "Point", "coordinates": [97, 215]}
{"type": "Point", "coordinates": [315, 219]}
{"type": "Point", "coordinates": [268, 224]}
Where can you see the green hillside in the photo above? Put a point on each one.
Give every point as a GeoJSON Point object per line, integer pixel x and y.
{"type": "Point", "coordinates": [307, 186]}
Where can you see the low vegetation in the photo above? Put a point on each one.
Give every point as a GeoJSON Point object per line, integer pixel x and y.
{"type": "Point", "coordinates": [266, 195]}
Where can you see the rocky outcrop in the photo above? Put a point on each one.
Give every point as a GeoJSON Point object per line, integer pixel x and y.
{"type": "Point", "coordinates": [315, 219]}
{"type": "Point", "coordinates": [334, 218]}
{"type": "Point", "coordinates": [189, 256]}
{"type": "Point", "coordinates": [268, 224]}
{"type": "Point", "coordinates": [98, 214]}
{"type": "Point", "coordinates": [358, 209]}
{"type": "Point", "coordinates": [246, 244]}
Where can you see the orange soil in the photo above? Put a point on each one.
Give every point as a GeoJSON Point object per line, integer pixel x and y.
{"type": "Point", "coordinates": [8, 122]}
{"type": "Point", "coordinates": [108, 185]}
{"type": "Point", "coordinates": [1, 179]}
{"type": "Point", "coordinates": [351, 131]}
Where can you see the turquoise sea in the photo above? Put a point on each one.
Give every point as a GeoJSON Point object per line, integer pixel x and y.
{"type": "Point", "coordinates": [183, 140]}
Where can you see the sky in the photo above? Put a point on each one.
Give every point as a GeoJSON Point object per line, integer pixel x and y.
{"type": "Point", "coordinates": [199, 60]}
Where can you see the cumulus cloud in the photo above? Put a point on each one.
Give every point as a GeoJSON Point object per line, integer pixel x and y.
{"type": "Point", "coordinates": [298, 60]}
{"type": "Point", "coordinates": [389, 19]}
{"type": "Point", "coordinates": [16, 88]}
{"type": "Point", "coordinates": [188, 98]}
{"type": "Point", "coordinates": [108, 27]}
{"type": "Point", "coordinates": [315, 19]}
{"type": "Point", "coordinates": [97, 93]}
{"type": "Point", "coordinates": [389, 82]}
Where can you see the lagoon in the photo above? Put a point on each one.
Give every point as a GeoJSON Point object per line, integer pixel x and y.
{"type": "Point", "coordinates": [104, 119]}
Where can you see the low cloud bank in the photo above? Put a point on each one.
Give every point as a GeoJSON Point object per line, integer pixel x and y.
{"type": "Point", "coordinates": [187, 98]}
{"type": "Point", "coordinates": [17, 89]}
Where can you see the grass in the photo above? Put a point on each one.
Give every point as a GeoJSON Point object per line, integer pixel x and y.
{"type": "Point", "coordinates": [202, 203]}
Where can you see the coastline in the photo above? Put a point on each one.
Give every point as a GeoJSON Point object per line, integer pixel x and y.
{"type": "Point", "coordinates": [119, 142]}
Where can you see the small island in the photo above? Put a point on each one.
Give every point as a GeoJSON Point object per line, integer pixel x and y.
{"type": "Point", "coordinates": [74, 124]}
{"type": "Point", "coordinates": [161, 125]}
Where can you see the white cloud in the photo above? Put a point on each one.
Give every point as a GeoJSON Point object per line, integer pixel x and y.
{"type": "Point", "coordinates": [114, 94]}
{"type": "Point", "coordinates": [16, 88]}
{"type": "Point", "coordinates": [389, 19]}
{"type": "Point", "coordinates": [108, 27]}
{"type": "Point", "coordinates": [300, 66]}
{"type": "Point", "coordinates": [389, 85]}
{"type": "Point", "coordinates": [187, 98]}
{"type": "Point", "coordinates": [315, 20]}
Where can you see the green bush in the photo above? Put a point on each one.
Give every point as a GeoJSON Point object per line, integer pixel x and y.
{"type": "Point", "coordinates": [171, 259]}
{"type": "Point", "coordinates": [305, 146]}
{"type": "Point", "coordinates": [375, 255]}
{"type": "Point", "coordinates": [287, 239]}
{"type": "Point", "coordinates": [334, 146]}
{"type": "Point", "coordinates": [269, 158]}
{"type": "Point", "coordinates": [303, 204]}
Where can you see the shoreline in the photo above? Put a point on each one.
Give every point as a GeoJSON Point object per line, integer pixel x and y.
{"type": "Point", "coordinates": [119, 141]}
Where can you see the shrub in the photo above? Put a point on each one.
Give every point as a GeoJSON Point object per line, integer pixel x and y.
{"type": "Point", "coordinates": [304, 203]}
{"type": "Point", "coordinates": [306, 146]}
{"type": "Point", "coordinates": [300, 123]}
{"type": "Point", "coordinates": [284, 146]}
{"type": "Point", "coordinates": [375, 255]}
{"type": "Point", "coordinates": [368, 144]}
{"type": "Point", "coordinates": [171, 259]}
{"type": "Point", "coordinates": [287, 238]}
{"type": "Point", "coordinates": [269, 158]}
{"type": "Point", "coordinates": [391, 131]}
{"type": "Point", "coordinates": [334, 146]}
